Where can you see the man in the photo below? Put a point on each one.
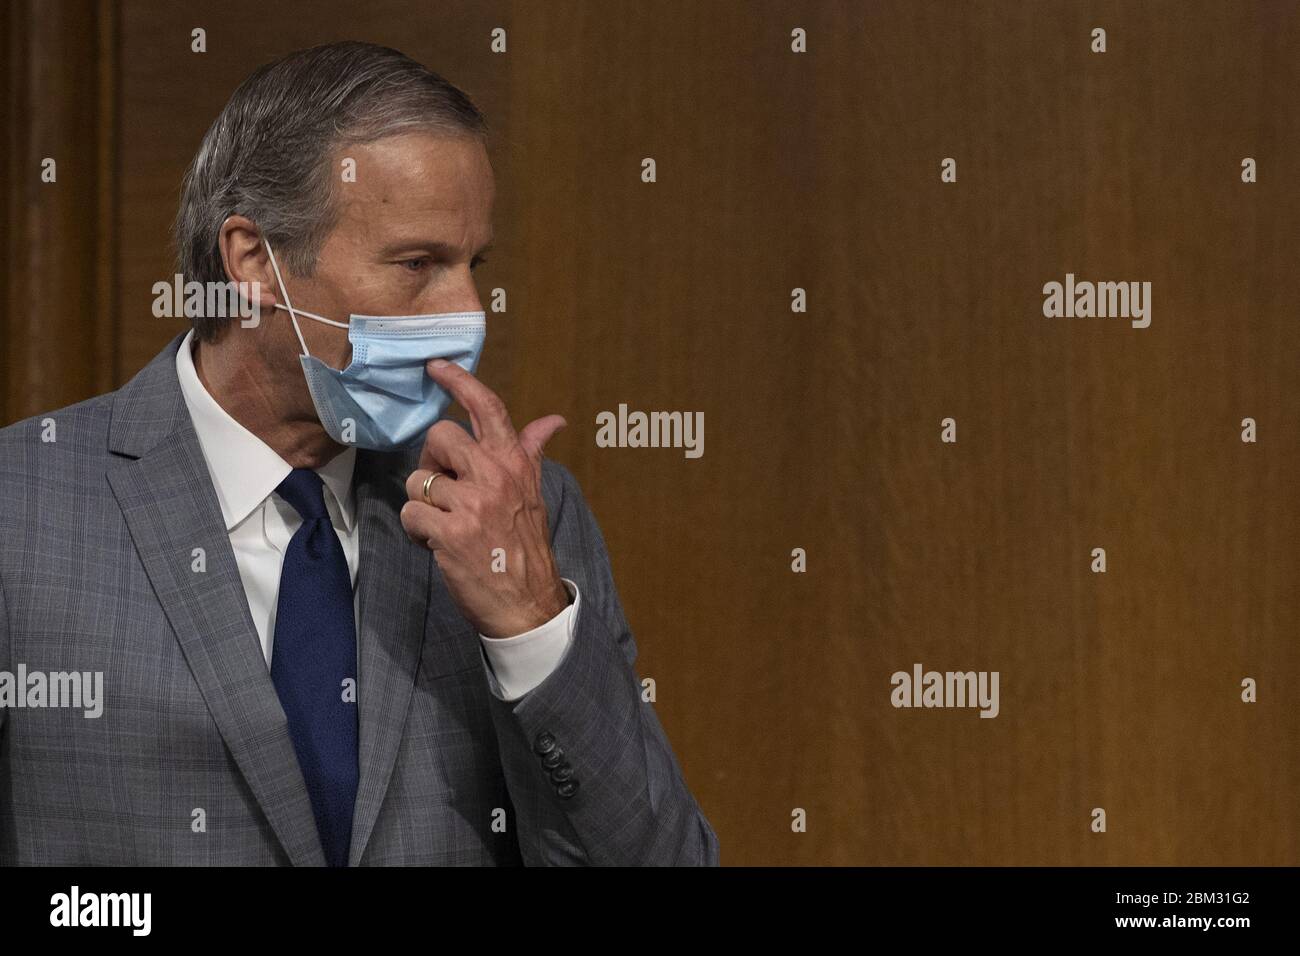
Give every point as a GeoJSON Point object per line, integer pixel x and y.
{"type": "Point", "coordinates": [330, 627]}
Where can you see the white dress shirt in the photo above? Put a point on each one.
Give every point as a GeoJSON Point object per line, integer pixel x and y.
{"type": "Point", "coordinates": [245, 472]}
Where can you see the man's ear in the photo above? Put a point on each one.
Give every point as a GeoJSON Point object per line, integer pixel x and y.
{"type": "Point", "coordinates": [244, 256]}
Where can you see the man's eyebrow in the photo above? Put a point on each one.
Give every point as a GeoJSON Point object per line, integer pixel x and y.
{"type": "Point", "coordinates": [444, 249]}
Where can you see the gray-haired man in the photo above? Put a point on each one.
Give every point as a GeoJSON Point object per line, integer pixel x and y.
{"type": "Point", "coordinates": [327, 632]}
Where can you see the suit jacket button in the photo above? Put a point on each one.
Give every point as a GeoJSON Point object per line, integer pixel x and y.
{"type": "Point", "coordinates": [568, 789]}
{"type": "Point", "coordinates": [561, 774]}
{"type": "Point", "coordinates": [544, 743]}
{"type": "Point", "coordinates": [553, 759]}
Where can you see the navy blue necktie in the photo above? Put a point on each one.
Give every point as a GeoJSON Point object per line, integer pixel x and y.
{"type": "Point", "coordinates": [314, 662]}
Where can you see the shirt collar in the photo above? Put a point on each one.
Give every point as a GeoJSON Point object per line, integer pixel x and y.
{"type": "Point", "coordinates": [244, 469]}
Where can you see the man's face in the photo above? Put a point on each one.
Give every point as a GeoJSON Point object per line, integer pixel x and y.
{"type": "Point", "coordinates": [410, 230]}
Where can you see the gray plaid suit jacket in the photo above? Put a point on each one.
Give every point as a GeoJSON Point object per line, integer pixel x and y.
{"type": "Point", "coordinates": [98, 538]}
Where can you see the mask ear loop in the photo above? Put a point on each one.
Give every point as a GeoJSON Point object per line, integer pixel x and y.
{"type": "Point", "coordinates": [285, 292]}
{"type": "Point", "coordinates": [288, 306]}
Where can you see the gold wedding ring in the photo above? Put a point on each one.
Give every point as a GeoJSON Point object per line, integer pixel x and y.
{"type": "Point", "coordinates": [427, 482]}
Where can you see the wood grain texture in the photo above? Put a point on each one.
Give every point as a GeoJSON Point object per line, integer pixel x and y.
{"type": "Point", "coordinates": [821, 171]}
{"type": "Point", "coordinates": [59, 327]}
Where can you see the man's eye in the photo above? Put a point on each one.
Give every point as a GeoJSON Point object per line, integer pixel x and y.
{"type": "Point", "coordinates": [477, 261]}
{"type": "Point", "coordinates": [414, 265]}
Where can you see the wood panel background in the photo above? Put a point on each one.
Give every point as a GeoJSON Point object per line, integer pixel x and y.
{"type": "Point", "coordinates": [821, 171]}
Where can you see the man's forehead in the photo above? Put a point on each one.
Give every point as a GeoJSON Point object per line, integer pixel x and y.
{"type": "Point", "coordinates": [418, 181]}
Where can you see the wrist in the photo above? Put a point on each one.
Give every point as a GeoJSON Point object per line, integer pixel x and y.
{"type": "Point", "coordinates": [543, 614]}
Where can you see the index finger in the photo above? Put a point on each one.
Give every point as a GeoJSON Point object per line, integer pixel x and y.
{"type": "Point", "coordinates": [487, 412]}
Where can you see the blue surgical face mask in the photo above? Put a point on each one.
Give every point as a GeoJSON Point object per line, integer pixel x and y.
{"type": "Point", "coordinates": [385, 399]}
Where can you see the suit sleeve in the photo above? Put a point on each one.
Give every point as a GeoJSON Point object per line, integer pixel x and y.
{"type": "Point", "coordinates": [5, 663]}
{"type": "Point", "coordinates": [591, 774]}
{"type": "Point", "coordinates": [515, 665]}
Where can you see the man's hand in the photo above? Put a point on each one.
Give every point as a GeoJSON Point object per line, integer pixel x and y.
{"type": "Point", "coordinates": [490, 496]}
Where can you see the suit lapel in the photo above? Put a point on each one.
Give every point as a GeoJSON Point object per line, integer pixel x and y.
{"type": "Point", "coordinates": [402, 590]}
{"type": "Point", "coordinates": [393, 578]}
{"type": "Point", "coordinates": [161, 483]}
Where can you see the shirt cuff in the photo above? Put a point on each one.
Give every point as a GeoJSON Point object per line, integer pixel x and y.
{"type": "Point", "coordinates": [515, 665]}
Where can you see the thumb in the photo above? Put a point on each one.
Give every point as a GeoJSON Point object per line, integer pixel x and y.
{"type": "Point", "coordinates": [536, 434]}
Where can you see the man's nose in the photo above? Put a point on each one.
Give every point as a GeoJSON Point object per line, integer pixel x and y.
{"type": "Point", "coordinates": [459, 294]}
